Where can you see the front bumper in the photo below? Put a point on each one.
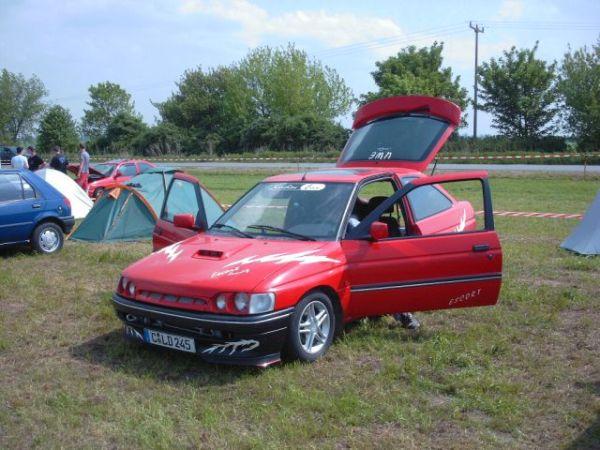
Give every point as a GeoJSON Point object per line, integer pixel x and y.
{"type": "Point", "coordinates": [219, 338]}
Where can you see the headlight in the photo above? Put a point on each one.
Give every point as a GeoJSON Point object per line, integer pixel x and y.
{"type": "Point", "coordinates": [241, 301]}
{"type": "Point", "coordinates": [124, 282]}
{"type": "Point", "coordinates": [260, 303]}
{"type": "Point", "coordinates": [221, 301]}
{"type": "Point", "coordinates": [131, 289]}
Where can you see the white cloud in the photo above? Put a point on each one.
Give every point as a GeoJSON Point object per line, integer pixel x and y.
{"type": "Point", "coordinates": [511, 9]}
{"type": "Point", "coordinates": [331, 29]}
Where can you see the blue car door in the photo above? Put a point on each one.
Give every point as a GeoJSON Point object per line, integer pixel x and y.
{"type": "Point", "coordinates": [19, 206]}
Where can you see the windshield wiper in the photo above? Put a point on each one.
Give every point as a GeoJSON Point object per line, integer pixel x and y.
{"type": "Point", "coordinates": [302, 237]}
{"type": "Point", "coordinates": [234, 229]}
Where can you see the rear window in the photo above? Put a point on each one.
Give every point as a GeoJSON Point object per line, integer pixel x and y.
{"type": "Point", "coordinates": [405, 138]}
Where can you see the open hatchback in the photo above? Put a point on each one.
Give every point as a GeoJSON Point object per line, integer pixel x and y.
{"type": "Point", "coordinates": [299, 255]}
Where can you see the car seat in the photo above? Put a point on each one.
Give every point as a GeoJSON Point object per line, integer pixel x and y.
{"type": "Point", "coordinates": [391, 222]}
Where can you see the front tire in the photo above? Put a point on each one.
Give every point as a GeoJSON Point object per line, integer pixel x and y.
{"type": "Point", "coordinates": [312, 328]}
{"type": "Point", "coordinates": [47, 238]}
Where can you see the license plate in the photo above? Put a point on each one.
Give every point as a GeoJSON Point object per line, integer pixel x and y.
{"type": "Point", "coordinates": [182, 343]}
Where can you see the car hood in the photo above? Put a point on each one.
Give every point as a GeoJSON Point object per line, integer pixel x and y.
{"type": "Point", "coordinates": [207, 264]}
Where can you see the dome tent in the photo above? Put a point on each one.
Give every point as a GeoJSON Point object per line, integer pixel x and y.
{"type": "Point", "coordinates": [585, 238]}
{"type": "Point", "coordinates": [81, 204]}
{"type": "Point", "coordinates": [127, 212]}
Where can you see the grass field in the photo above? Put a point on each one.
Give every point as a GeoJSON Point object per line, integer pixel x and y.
{"type": "Point", "coordinates": [522, 374]}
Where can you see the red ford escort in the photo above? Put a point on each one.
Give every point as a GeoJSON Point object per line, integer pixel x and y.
{"type": "Point", "coordinates": [300, 255]}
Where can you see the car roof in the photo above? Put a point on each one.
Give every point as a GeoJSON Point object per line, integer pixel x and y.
{"type": "Point", "coordinates": [346, 175]}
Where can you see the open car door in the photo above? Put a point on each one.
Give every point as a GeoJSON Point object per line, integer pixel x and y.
{"type": "Point", "coordinates": [188, 209]}
{"type": "Point", "coordinates": [406, 131]}
{"type": "Point", "coordinates": [452, 261]}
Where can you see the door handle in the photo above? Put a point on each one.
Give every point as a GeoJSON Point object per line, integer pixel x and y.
{"type": "Point", "coordinates": [36, 205]}
{"type": "Point", "coordinates": [481, 247]}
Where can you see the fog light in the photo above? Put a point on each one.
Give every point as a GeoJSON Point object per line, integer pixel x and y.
{"type": "Point", "coordinates": [221, 301]}
{"type": "Point", "coordinates": [260, 303]}
{"type": "Point", "coordinates": [241, 301]}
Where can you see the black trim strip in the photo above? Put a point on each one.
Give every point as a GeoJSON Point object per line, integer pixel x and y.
{"type": "Point", "coordinates": [420, 283]}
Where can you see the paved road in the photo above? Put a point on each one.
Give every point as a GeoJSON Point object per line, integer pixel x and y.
{"type": "Point", "coordinates": [307, 166]}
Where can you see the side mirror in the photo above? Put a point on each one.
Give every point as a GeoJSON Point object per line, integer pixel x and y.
{"type": "Point", "coordinates": [379, 230]}
{"type": "Point", "coordinates": [118, 174]}
{"type": "Point", "coordinates": [184, 221]}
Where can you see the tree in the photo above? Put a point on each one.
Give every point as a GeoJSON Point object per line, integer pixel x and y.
{"type": "Point", "coordinates": [122, 132]}
{"type": "Point", "coordinates": [57, 128]}
{"type": "Point", "coordinates": [417, 72]}
{"type": "Point", "coordinates": [107, 100]}
{"type": "Point", "coordinates": [579, 87]}
{"type": "Point", "coordinates": [286, 82]}
{"type": "Point", "coordinates": [520, 91]}
{"type": "Point", "coordinates": [21, 105]}
{"type": "Point", "coordinates": [213, 103]}
{"type": "Point", "coordinates": [218, 106]}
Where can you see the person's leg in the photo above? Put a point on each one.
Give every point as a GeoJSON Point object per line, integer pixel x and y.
{"type": "Point", "coordinates": [83, 181]}
{"type": "Point", "coordinates": [407, 320]}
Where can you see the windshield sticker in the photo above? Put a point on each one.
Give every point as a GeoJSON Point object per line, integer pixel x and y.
{"type": "Point", "coordinates": [283, 258]}
{"type": "Point", "coordinates": [380, 154]}
{"type": "Point", "coordinates": [172, 252]}
{"type": "Point", "coordinates": [284, 187]}
{"type": "Point", "coordinates": [312, 187]}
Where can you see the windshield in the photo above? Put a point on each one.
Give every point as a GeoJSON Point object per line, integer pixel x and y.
{"type": "Point", "coordinates": [406, 138]}
{"type": "Point", "coordinates": [299, 210]}
{"type": "Point", "coordinates": [105, 169]}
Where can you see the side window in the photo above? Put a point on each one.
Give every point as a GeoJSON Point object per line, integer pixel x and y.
{"type": "Point", "coordinates": [127, 170]}
{"type": "Point", "coordinates": [181, 199]}
{"type": "Point", "coordinates": [427, 201]}
{"type": "Point", "coordinates": [10, 187]}
{"type": "Point", "coordinates": [451, 207]}
{"type": "Point", "coordinates": [369, 197]}
{"type": "Point", "coordinates": [28, 191]}
{"type": "Point", "coordinates": [145, 167]}
{"type": "Point", "coordinates": [211, 207]}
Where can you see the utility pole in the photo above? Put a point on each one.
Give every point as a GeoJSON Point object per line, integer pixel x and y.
{"type": "Point", "coordinates": [477, 29]}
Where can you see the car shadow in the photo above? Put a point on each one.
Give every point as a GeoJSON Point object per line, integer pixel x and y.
{"type": "Point", "coordinates": [590, 437]}
{"type": "Point", "coordinates": [12, 251]}
{"type": "Point", "coordinates": [113, 351]}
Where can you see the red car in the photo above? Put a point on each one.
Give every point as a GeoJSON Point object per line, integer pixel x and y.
{"type": "Point", "coordinates": [103, 176]}
{"type": "Point", "coordinates": [300, 255]}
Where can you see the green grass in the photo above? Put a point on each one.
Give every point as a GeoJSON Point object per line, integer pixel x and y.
{"type": "Point", "coordinates": [522, 374]}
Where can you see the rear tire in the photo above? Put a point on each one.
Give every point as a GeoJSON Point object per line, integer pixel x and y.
{"type": "Point", "coordinates": [312, 328]}
{"type": "Point", "coordinates": [47, 238]}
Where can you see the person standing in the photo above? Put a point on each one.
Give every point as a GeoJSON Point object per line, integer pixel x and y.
{"type": "Point", "coordinates": [59, 161]}
{"type": "Point", "coordinates": [84, 167]}
{"type": "Point", "coordinates": [35, 161]}
{"type": "Point", "coordinates": [19, 161]}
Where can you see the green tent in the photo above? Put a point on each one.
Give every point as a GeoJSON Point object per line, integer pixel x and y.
{"type": "Point", "coordinates": [127, 213]}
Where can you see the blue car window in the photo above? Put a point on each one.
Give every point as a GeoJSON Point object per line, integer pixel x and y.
{"type": "Point", "coordinates": [10, 187]}
{"type": "Point", "coordinates": [28, 191]}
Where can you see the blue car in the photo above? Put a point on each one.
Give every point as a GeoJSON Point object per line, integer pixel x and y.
{"type": "Point", "coordinates": [32, 211]}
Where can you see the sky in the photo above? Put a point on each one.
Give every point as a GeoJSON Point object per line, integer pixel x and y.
{"type": "Point", "coordinates": [146, 45]}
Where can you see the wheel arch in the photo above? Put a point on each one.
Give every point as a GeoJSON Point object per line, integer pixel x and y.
{"type": "Point", "coordinates": [52, 219]}
{"type": "Point", "coordinates": [335, 301]}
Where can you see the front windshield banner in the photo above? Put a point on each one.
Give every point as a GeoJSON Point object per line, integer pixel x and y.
{"type": "Point", "coordinates": [292, 210]}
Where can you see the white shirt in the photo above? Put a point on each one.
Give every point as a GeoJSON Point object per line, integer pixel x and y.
{"type": "Point", "coordinates": [19, 162]}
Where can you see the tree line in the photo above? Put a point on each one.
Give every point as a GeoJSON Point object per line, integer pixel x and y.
{"type": "Point", "coordinates": [281, 99]}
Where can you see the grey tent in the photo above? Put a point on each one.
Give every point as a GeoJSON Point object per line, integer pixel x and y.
{"type": "Point", "coordinates": [585, 238]}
